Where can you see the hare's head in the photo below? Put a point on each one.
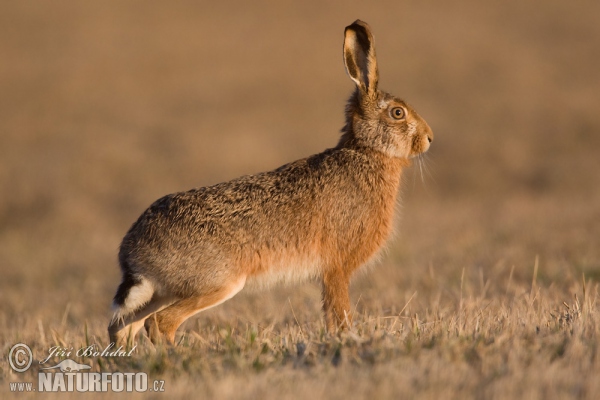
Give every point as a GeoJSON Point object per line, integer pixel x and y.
{"type": "Point", "coordinates": [374, 118]}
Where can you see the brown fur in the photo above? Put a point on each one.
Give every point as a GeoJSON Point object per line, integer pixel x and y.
{"type": "Point", "coordinates": [320, 217]}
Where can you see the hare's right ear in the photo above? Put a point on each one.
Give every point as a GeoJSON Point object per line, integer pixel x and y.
{"type": "Point", "coordinates": [359, 56]}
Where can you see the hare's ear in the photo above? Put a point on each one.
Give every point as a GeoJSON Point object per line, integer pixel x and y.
{"type": "Point", "coordinates": [359, 56]}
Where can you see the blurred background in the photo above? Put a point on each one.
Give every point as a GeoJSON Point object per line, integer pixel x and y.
{"type": "Point", "coordinates": [106, 106]}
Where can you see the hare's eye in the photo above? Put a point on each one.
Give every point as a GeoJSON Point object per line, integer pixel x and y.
{"type": "Point", "coordinates": [397, 112]}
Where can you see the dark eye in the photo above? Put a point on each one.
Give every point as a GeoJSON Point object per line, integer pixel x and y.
{"type": "Point", "coordinates": [397, 112]}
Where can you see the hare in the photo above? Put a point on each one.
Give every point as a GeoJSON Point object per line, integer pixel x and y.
{"type": "Point", "coordinates": [321, 217]}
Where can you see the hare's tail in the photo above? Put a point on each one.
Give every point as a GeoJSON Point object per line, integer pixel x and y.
{"type": "Point", "coordinates": [133, 293]}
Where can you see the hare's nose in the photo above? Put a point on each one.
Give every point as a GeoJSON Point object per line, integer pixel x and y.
{"type": "Point", "coordinates": [429, 139]}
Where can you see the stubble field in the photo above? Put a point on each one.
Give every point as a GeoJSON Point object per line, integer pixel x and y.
{"type": "Point", "coordinates": [489, 288]}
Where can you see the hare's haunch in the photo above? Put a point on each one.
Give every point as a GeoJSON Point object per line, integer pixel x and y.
{"type": "Point", "coordinates": [320, 217]}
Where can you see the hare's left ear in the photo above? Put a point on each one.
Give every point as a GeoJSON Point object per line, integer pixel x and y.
{"type": "Point", "coordinates": [359, 57]}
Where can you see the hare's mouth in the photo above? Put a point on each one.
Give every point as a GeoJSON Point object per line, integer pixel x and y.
{"type": "Point", "coordinates": [421, 144]}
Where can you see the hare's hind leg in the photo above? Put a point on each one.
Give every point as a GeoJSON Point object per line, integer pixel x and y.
{"type": "Point", "coordinates": [135, 300]}
{"type": "Point", "coordinates": [163, 324]}
{"type": "Point", "coordinates": [336, 300]}
{"type": "Point", "coordinates": [122, 329]}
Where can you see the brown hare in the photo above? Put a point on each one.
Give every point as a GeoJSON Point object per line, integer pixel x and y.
{"type": "Point", "coordinates": [321, 217]}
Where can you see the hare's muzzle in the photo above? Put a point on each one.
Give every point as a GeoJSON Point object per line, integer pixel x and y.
{"type": "Point", "coordinates": [426, 138]}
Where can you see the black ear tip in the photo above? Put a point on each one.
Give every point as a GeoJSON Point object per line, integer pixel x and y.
{"type": "Point", "coordinates": [359, 25]}
{"type": "Point", "coordinates": [362, 33]}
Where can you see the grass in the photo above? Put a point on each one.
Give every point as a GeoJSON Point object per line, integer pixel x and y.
{"type": "Point", "coordinates": [490, 287]}
{"type": "Point", "coordinates": [531, 341]}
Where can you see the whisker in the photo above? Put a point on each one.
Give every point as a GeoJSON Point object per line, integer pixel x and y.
{"type": "Point", "coordinates": [414, 175]}
{"type": "Point", "coordinates": [427, 169]}
{"type": "Point", "coordinates": [420, 158]}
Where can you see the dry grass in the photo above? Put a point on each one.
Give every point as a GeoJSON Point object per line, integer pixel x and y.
{"type": "Point", "coordinates": [523, 343]}
{"type": "Point", "coordinates": [489, 289]}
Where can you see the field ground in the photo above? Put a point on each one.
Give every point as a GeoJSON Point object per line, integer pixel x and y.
{"type": "Point", "coordinates": [489, 288]}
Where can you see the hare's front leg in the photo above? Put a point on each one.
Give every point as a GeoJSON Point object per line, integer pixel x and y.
{"type": "Point", "coordinates": [336, 300]}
